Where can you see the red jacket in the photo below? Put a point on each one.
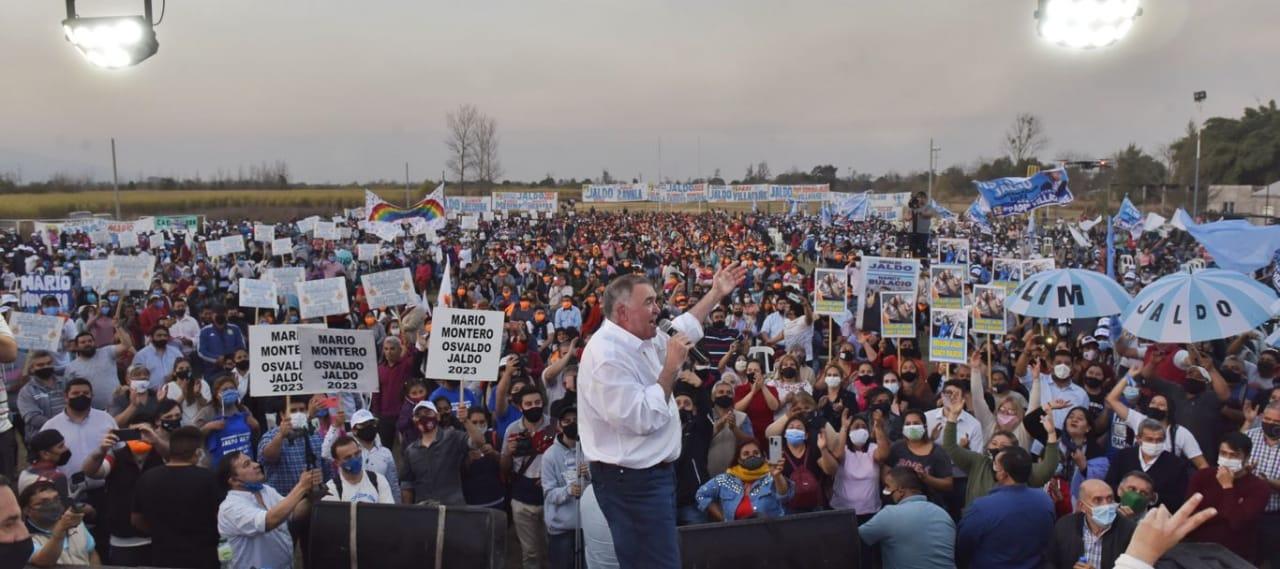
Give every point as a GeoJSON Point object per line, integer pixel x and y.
{"type": "Point", "coordinates": [1239, 511]}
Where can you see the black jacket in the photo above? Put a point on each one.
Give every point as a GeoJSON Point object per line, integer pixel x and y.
{"type": "Point", "coordinates": [691, 467]}
{"type": "Point", "coordinates": [1169, 472]}
{"type": "Point", "coordinates": [1067, 544]}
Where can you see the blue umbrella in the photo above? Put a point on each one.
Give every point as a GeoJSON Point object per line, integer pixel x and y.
{"type": "Point", "coordinates": [1067, 294]}
{"type": "Point", "coordinates": [1199, 306]}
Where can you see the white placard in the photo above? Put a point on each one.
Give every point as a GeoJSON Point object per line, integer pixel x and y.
{"type": "Point", "coordinates": [257, 293]}
{"type": "Point", "coordinates": [387, 231]}
{"type": "Point", "coordinates": [35, 331]}
{"type": "Point", "coordinates": [232, 244]}
{"type": "Point", "coordinates": [367, 252]}
{"type": "Point", "coordinates": [100, 237]}
{"type": "Point", "coordinates": [465, 344]}
{"type": "Point", "coordinates": [128, 239]}
{"type": "Point", "coordinates": [276, 360]}
{"type": "Point", "coordinates": [344, 233]}
{"type": "Point", "coordinates": [282, 246]}
{"type": "Point", "coordinates": [388, 288]}
{"type": "Point", "coordinates": [130, 272]}
{"type": "Point", "coordinates": [93, 274]}
{"type": "Point", "coordinates": [326, 230]}
{"type": "Point", "coordinates": [263, 233]}
{"type": "Point", "coordinates": [308, 224]}
{"type": "Point", "coordinates": [286, 279]}
{"type": "Point", "coordinates": [155, 241]}
{"type": "Point", "coordinates": [214, 249]}
{"type": "Point", "coordinates": [323, 297]}
{"type": "Point", "coordinates": [338, 361]}
{"type": "Point", "coordinates": [470, 222]}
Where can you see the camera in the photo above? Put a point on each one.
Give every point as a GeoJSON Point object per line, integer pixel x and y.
{"type": "Point", "coordinates": [531, 444]}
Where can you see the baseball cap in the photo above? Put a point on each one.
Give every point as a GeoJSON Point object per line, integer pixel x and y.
{"type": "Point", "coordinates": [361, 416]}
{"type": "Point", "coordinates": [424, 404]}
{"type": "Point", "coordinates": [562, 406]}
{"type": "Point", "coordinates": [42, 441]}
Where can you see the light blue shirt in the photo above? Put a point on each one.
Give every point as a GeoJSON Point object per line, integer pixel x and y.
{"type": "Point", "coordinates": [1050, 392]}
{"type": "Point", "coordinates": [160, 364]}
{"type": "Point", "coordinates": [915, 534]}
{"type": "Point", "coordinates": [568, 318]}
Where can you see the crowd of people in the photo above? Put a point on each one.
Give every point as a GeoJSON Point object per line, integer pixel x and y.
{"type": "Point", "coordinates": [145, 445]}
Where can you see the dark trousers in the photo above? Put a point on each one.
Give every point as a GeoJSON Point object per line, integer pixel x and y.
{"type": "Point", "coordinates": [387, 431]}
{"type": "Point", "coordinates": [139, 556]}
{"type": "Point", "coordinates": [920, 245]}
{"type": "Point", "coordinates": [1269, 539]}
{"type": "Point", "coordinates": [100, 529]}
{"type": "Point", "coordinates": [9, 454]}
{"type": "Point", "coordinates": [560, 551]}
{"type": "Point", "coordinates": [640, 506]}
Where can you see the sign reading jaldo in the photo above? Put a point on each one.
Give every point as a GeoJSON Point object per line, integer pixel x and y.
{"type": "Point", "coordinates": [465, 344]}
{"type": "Point", "coordinates": [338, 361]}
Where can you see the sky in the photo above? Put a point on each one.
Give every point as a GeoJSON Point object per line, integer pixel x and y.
{"type": "Point", "coordinates": [350, 91]}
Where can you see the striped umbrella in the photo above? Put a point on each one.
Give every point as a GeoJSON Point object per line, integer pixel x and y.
{"type": "Point", "coordinates": [1067, 294]}
{"type": "Point", "coordinates": [1199, 306]}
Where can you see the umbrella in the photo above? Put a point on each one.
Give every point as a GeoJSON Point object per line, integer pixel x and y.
{"type": "Point", "coordinates": [1067, 294]}
{"type": "Point", "coordinates": [1199, 306]}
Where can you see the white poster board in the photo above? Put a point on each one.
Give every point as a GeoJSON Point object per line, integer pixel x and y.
{"type": "Point", "coordinates": [93, 274]}
{"type": "Point", "coordinates": [830, 291]}
{"type": "Point", "coordinates": [338, 361]}
{"type": "Point", "coordinates": [257, 293]}
{"type": "Point", "coordinates": [128, 239]}
{"type": "Point", "coordinates": [286, 279]}
{"type": "Point", "coordinates": [326, 230]}
{"type": "Point", "coordinates": [232, 244]}
{"type": "Point", "coordinates": [263, 233]}
{"type": "Point", "coordinates": [389, 288]}
{"type": "Point", "coordinates": [367, 252]}
{"type": "Point", "coordinates": [214, 249]}
{"type": "Point", "coordinates": [465, 344]}
{"type": "Point", "coordinates": [323, 297]}
{"type": "Point", "coordinates": [308, 224]}
{"type": "Point", "coordinates": [281, 247]}
{"type": "Point", "coordinates": [35, 331]}
{"type": "Point", "coordinates": [470, 222]}
{"type": "Point", "coordinates": [276, 361]}
{"type": "Point", "coordinates": [130, 272]}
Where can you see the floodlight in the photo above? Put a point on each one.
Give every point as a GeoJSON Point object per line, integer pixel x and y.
{"type": "Point", "coordinates": [1086, 24]}
{"type": "Point", "coordinates": [112, 42]}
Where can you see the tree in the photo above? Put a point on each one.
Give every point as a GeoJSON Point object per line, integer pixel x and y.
{"type": "Point", "coordinates": [762, 171]}
{"type": "Point", "coordinates": [463, 125]}
{"type": "Point", "coordinates": [1166, 154]}
{"type": "Point", "coordinates": [1133, 170]}
{"type": "Point", "coordinates": [605, 178]}
{"type": "Point", "coordinates": [1025, 138]}
{"type": "Point", "coordinates": [488, 166]}
{"type": "Point", "coordinates": [751, 174]}
{"type": "Point", "coordinates": [825, 174]}
{"type": "Point", "coordinates": [1243, 151]}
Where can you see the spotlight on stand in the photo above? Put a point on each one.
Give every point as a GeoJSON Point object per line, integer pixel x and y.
{"type": "Point", "coordinates": [1086, 24]}
{"type": "Point", "coordinates": [112, 42]}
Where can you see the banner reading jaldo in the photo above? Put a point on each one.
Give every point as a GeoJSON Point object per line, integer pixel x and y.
{"type": "Point", "coordinates": [1011, 196]}
{"type": "Point", "coordinates": [465, 344]}
{"type": "Point", "coordinates": [592, 193]}
{"type": "Point", "coordinates": [338, 361]}
{"type": "Point", "coordinates": [882, 274]}
{"type": "Point", "coordinates": [525, 201]}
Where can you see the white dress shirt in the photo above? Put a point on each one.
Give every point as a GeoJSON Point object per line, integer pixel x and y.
{"type": "Point", "coordinates": [966, 426]}
{"type": "Point", "coordinates": [624, 417]}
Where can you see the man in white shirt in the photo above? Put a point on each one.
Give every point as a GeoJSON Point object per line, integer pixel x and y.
{"type": "Point", "coordinates": [185, 329]}
{"type": "Point", "coordinates": [354, 483]}
{"type": "Point", "coordinates": [253, 517]}
{"type": "Point", "coordinates": [98, 365]}
{"type": "Point", "coordinates": [628, 420]}
{"type": "Point", "coordinates": [968, 429]}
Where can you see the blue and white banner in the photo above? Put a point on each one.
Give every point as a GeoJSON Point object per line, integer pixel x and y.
{"type": "Point", "coordinates": [525, 201]}
{"type": "Point", "coordinates": [1128, 218]}
{"type": "Point", "coordinates": [889, 207]}
{"type": "Point", "coordinates": [854, 207]}
{"type": "Point", "coordinates": [1012, 196]}
{"type": "Point", "coordinates": [679, 193]}
{"type": "Point", "coordinates": [977, 212]}
{"type": "Point", "coordinates": [942, 212]}
{"type": "Point", "coordinates": [595, 193]}
{"type": "Point", "coordinates": [468, 205]}
{"type": "Point", "coordinates": [801, 193]}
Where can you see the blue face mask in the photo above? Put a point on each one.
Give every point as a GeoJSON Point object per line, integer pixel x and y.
{"type": "Point", "coordinates": [202, 288]}
{"type": "Point", "coordinates": [353, 465]}
{"type": "Point", "coordinates": [50, 310]}
{"type": "Point", "coordinates": [1104, 515]}
{"type": "Point", "coordinates": [230, 397]}
{"type": "Point", "coordinates": [91, 298]}
{"type": "Point", "coordinates": [254, 486]}
{"type": "Point", "coordinates": [293, 320]}
{"type": "Point", "coordinates": [113, 299]}
{"type": "Point", "coordinates": [795, 436]}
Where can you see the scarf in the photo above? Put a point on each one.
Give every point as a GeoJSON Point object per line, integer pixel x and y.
{"type": "Point", "coordinates": [748, 475]}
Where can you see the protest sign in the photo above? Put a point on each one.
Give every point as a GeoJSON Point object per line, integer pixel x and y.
{"type": "Point", "coordinates": [326, 230]}
{"type": "Point", "coordinates": [188, 223]}
{"type": "Point", "coordinates": [263, 233]}
{"type": "Point", "coordinates": [338, 361]}
{"type": "Point", "coordinates": [465, 344]}
{"type": "Point", "coordinates": [388, 288]}
{"type": "Point", "coordinates": [951, 251]}
{"type": "Point", "coordinates": [257, 293]}
{"type": "Point", "coordinates": [1011, 196]}
{"type": "Point", "coordinates": [276, 361]}
{"type": "Point", "coordinates": [886, 274]}
{"type": "Point", "coordinates": [322, 297]}
{"type": "Point", "coordinates": [460, 205]}
{"type": "Point", "coordinates": [470, 222]}
{"type": "Point", "coordinates": [286, 279]}
{"type": "Point", "coordinates": [988, 309]}
{"type": "Point", "coordinates": [525, 201]}
{"type": "Point", "coordinates": [155, 242]}
{"type": "Point", "coordinates": [35, 331]}
{"type": "Point", "coordinates": [853, 206]}
{"type": "Point", "coordinates": [1006, 273]}
{"type": "Point", "coordinates": [93, 274]}
{"type": "Point", "coordinates": [214, 249]}
{"type": "Point", "coordinates": [387, 231]}
{"type": "Point", "coordinates": [948, 336]}
{"type": "Point", "coordinates": [367, 252]}
{"type": "Point", "coordinates": [1032, 266]}
{"type": "Point", "coordinates": [897, 314]}
{"type": "Point", "coordinates": [344, 233]}
{"type": "Point", "coordinates": [34, 288]}
{"type": "Point", "coordinates": [127, 239]}
{"type": "Point", "coordinates": [232, 244]}
{"type": "Point", "coordinates": [946, 286]}
{"type": "Point", "coordinates": [830, 291]}
{"type": "Point", "coordinates": [281, 247]}
{"type": "Point", "coordinates": [309, 224]}
{"type": "Point", "coordinates": [889, 207]}
{"type": "Point", "coordinates": [130, 272]}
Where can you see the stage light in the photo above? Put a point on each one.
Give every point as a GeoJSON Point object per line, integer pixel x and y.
{"type": "Point", "coordinates": [1086, 24]}
{"type": "Point", "coordinates": [112, 42]}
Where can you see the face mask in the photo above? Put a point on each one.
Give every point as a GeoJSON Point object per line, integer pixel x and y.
{"type": "Point", "coordinates": [353, 465]}
{"type": "Point", "coordinates": [80, 404]}
{"type": "Point", "coordinates": [242, 365]}
{"type": "Point", "coordinates": [88, 352]}
{"type": "Point", "coordinates": [571, 431]}
{"type": "Point", "coordinates": [892, 387]}
{"type": "Point", "coordinates": [913, 432]}
{"type": "Point", "coordinates": [1001, 387]}
{"type": "Point", "coordinates": [795, 436]}
{"type": "Point", "coordinates": [179, 313]}
{"type": "Point", "coordinates": [789, 372]}
{"type": "Point", "coordinates": [752, 462]}
{"type": "Point", "coordinates": [47, 513]}
{"type": "Point", "coordinates": [1062, 371]}
{"type": "Point", "coordinates": [1152, 450]}
{"type": "Point", "coordinates": [724, 401]}
{"type": "Point", "coordinates": [293, 319]}
{"type": "Point", "coordinates": [230, 397]}
{"type": "Point", "coordinates": [139, 448]}
{"type": "Point", "coordinates": [1195, 386]}
{"type": "Point", "coordinates": [1266, 367]}
{"type": "Point", "coordinates": [532, 414]}
{"type": "Point", "coordinates": [859, 437]}
{"type": "Point", "coordinates": [1006, 419]}
{"type": "Point", "coordinates": [866, 378]}
{"type": "Point", "coordinates": [846, 356]}
{"type": "Point", "coordinates": [50, 310]}
{"type": "Point", "coordinates": [1090, 355]}
{"type": "Point", "coordinates": [220, 319]}
{"type": "Point", "coordinates": [908, 376]}
{"type": "Point", "coordinates": [1232, 464]}
{"type": "Point", "coordinates": [427, 424]}
{"type": "Point", "coordinates": [740, 366]}
{"type": "Point", "coordinates": [1271, 430]}
{"type": "Point", "coordinates": [1092, 382]}
{"type": "Point", "coordinates": [1157, 414]}
{"type": "Point", "coordinates": [1104, 515]}
{"type": "Point", "coordinates": [1131, 393]}
{"type": "Point", "coordinates": [43, 373]}
{"type": "Point", "coordinates": [1230, 376]}
{"type": "Point", "coordinates": [367, 433]}
{"type": "Point", "coordinates": [253, 486]}
{"type": "Point", "coordinates": [113, 299]}
{"type": "Point", "coordinates": [160, 344]}
{"type": "Point", "coordinates": [1134, 501]}
{"type": "Point", "coordinates": [171, 425]}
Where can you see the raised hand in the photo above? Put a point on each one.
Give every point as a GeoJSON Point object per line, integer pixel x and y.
{"type": "Point", "coordinates": [1159, 531]}
{"type": "Point", "coordinates": [678, 347]}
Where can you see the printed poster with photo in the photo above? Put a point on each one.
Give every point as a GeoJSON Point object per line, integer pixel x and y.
{"type": "Point", "coordinates": [1006, 273]}
{"type": "Point", "coordinates": [830, 291]}
{"type": "Point", "coordinates": [951, 251]}
{"type": "Point", "coordinates": [898, 314]}
{"type": "Point", "coordinates": [946, 286]}
{"type": "Point", "coordinates": [1033, 266]}
{"type": "Point", "coordinates": [948, 336]}
{"type": "Point", "coordinates": [988, 310]}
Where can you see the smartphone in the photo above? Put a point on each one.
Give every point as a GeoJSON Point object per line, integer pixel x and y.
{"type": "Point", "coordinates": [775, 449]}
{"type": "Point", "coordinates": [127, 434]}
{"type": "Point", "coordinates": [331, 402]}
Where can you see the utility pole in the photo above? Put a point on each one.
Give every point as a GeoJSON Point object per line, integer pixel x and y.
{"type": "Point", "coordinates": [1199, 97]}
{"type": "Point", "coordinates": [933, 153]}
{"type": "Point", "coordinates": [659, 160]}
{"type": "Point", "coordinates": [406, 184]}
{"type": "Point", "coordinates": [115, 177]}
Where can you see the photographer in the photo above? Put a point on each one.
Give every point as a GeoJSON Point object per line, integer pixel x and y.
{"type": "Point", "coordinates": [920, 218]}
{"type": "Point", "coordinates": [526, 440]}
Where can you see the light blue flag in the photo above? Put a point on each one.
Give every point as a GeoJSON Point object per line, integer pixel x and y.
{"type": "Point", "coordinates": [1129, 218]}
{"type": "Point", "coordinates": [795, 208]}
{"type": "Point", "coordinates": [1111, 249]}
{"type": "Point", "coordinates": [977, 213]}
{"type": "Point", "coordinates": [1011, 196]}
{"type": "Point", "coordinates": [826, 214]}
{"type": "Point", "coordinates": [941, 211]}
{"type": "Point", "coordinates": [1236, 245]}
{"type": "Point", "coordinates": [1031, 225]}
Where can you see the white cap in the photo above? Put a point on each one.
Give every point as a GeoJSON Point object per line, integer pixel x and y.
{"type": "Point", "coordinates": [1181, 360]}
{"type": "Point", "coordinates": [424, 404]}
{"type": "Point", "coordinates": [361, 416]}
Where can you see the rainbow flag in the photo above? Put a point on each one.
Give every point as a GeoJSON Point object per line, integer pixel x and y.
{"type": "Point", "coordinates": [429, 211]}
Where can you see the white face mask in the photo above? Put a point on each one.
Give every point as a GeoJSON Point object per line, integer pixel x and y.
{"type": "Point", "coordinates": [1090, 355]}
{"type": "Point", "coordinates": [833, 381]}
{"type": "Point", "coordinates": [1062, 371]}
{"type": "Point", "coordinates": [1232, 464]}
{"type": "Point", "coordinates": [740, 366]}
{"type": "Point", "coordinates": [299, 420]}
{"type": "Point", "coordinates": [859, 437]}
{"type": "Point", "coordinates": [1152, 450]}
{"type": "Point", "coordinates": [892, 387]}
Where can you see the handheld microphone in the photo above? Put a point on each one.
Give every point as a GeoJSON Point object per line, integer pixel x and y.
{"type": "Point", "coordinates": [670, 330]}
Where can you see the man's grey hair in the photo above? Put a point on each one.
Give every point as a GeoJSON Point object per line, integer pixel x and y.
{"type": "Point", "coordinates": [1150, 425]}
{"type": "Point", "coordinates": [619, 290]}
{"type": "Point", "coordinates": [393, 341]}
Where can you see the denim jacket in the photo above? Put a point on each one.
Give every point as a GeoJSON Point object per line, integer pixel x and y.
{"type": "Point", "coordinates": [727, 489]}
